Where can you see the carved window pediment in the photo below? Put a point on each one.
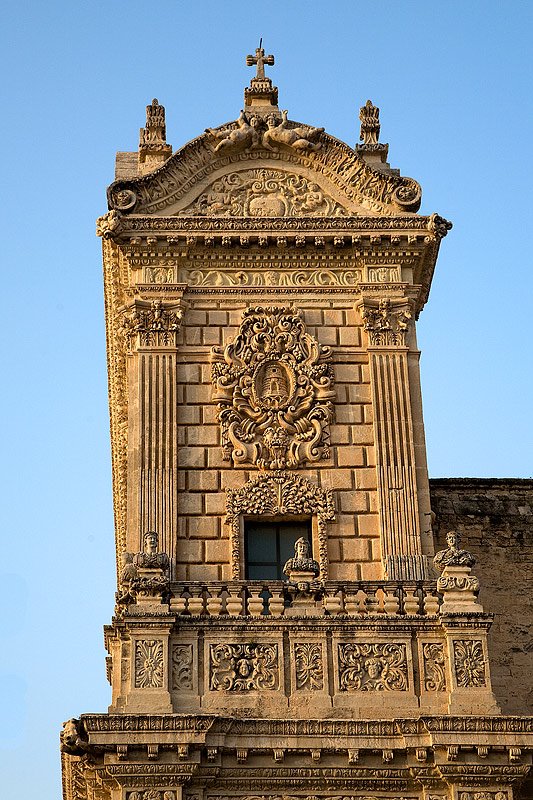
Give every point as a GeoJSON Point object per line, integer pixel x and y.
{"type": "Point", "coordinates": [275, 494]}
{"type": "Point", "coordinates": [273, 386]}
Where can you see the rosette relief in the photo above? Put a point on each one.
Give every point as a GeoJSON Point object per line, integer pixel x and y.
{"type": "Point", "coordinates": [273, 386]}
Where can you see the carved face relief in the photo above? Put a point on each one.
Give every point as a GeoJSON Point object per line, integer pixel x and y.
{"type": "Point", "coordinates": [273, 389]}
{"type": "Point", "coordinates": [264, 193]}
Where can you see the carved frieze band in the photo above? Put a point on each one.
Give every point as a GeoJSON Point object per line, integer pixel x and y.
{"type": "Point", "coordinates": [152, 794]}
{"type": "Point", "coordinates": [148, 664]}
{"type": "Point", "coordinates": [243, 667]}
{"type": "Point", "coordinates": [469, 660]}
{"type": "Point", "coordinates": [367, 667]}
{"type": "Point", "coordinates": [275, 494]}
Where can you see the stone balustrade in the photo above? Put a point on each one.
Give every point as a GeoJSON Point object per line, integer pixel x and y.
{"type": "Point", "coordinates": [279, 598]}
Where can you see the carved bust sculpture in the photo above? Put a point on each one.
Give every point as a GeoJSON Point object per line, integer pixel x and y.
{"type": "Point", "coordinates": [453, 556]}
{"type": "Point", "coordinates": [301, 561]}
{"type": "Point", "coordinates": [151, 558]}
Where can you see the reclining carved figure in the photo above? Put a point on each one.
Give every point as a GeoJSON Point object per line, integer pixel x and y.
{"type": "Point", "coordinates": [300, 138]}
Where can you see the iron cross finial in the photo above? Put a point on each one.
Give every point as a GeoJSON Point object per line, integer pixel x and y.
{"type": "Point", "coordinates": [260, 60]}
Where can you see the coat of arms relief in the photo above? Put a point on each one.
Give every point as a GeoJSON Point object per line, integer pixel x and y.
{"type": "Point", "coordinates": [273, 385]}
{"type": "Point", "coordinates": [264, 192]}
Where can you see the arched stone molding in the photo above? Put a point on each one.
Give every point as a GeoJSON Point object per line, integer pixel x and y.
{"type": "Point", "coordinates": [355, 184]}
{"type": "Point", "coordinates": [278, 494]}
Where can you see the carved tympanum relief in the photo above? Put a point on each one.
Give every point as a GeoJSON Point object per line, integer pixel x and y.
{"type": "Point", "coordinates": [273, 388]}
{"type": "Point", "coordinates": [264, 193]}
{"type": "Point", "coordinates": [372, 667]}
{"type": "Point", "coordinates": [274, 494]}
{"type": "Point", "coordinates": [243, 667]}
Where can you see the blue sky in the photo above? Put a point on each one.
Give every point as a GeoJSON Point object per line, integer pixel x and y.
{"type": "Point", "coordinates": [453, 81]}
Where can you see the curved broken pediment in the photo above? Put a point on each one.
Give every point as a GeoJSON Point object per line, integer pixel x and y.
{"type": "Point", "coordinates": [242, 169]}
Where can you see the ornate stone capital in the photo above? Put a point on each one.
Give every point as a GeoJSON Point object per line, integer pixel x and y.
{"type": "Point", "coordinates": [386, 321]}
{"type": "Point", "coordinates": [109, 225]}
{"type": "Point", "coordinates": [273, 387]}
{"type": "Point", "coordinates": [155, 324]}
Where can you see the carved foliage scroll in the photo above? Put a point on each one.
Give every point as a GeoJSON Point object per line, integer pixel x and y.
{"type": "Point", "coordinates": [469, 663]}
{"type": "Point", "coordinates": [154, 326]}
{"type": "Point", "coordinates": [434, 667]}
{"type": "Point", "coordinates": [273, 389]}
{"type": "Point", "coordinates": [273, 494]}
{"type": "Point", "coordinates": [148, 664]}
{"type": "Point", "coordinates": [372, 667]}
{"type": "Point", "coordinates": [182, 666]}
{"type": "Point", "coordinates": [309, 667]}
{"type": "Point", "coordinates": [243, 667]}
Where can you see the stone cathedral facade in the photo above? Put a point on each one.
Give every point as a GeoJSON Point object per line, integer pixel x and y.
{"type": "Point", "coordinates": [283, 626]}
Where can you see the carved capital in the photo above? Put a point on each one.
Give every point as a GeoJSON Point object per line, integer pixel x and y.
{"type": "Point", "coordinates": [155, 324]}
{"type": "Point", "coordinates": [386, 321]}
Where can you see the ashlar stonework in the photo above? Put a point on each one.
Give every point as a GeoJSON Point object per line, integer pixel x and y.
{"type": "Point", "coordinates": [283, 626]}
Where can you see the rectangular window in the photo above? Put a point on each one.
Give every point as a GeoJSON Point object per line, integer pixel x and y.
{"type": "Point", "coordinates": [268, 545]}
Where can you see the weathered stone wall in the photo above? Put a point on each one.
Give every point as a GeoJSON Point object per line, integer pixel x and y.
{"type": "Point", "coordinates": [203, 547]}
{"type": "Point", "coordinates": [495, 517]}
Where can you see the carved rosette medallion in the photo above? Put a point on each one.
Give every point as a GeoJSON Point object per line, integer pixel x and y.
{"type": "Point", "coordinates": [148, 664]}
{"type": "Point", "coordinates": [277, 493]}
{"type": "Point", "coordinates": [243, 667]}
{"type": "Point", "coordinates": [434, 667]}
{"type": "Point", "coordinates": [369, 667]}
{"type": "Point", "coordinates": [264, 193]}
{"type": "Point", "coordinates": [469, 663]}
{"type": "Point", "coordinates": [309, 667]}
{"type": "Point", "coordinates": [273, 388]}
{"type": "Point", "coordinates": [182, 667]}
{"type": "Point", "coordinates": [386, 322]}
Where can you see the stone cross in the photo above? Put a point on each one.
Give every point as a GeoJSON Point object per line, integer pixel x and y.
{"type": "Point", "coordinates": [260, 60]}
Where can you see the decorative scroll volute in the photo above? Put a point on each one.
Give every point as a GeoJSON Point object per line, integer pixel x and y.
{"type": "Point", "coordinates": [273, 388]}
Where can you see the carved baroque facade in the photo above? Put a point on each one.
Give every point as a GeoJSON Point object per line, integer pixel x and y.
{"type": "Point", "coordinates": [262, 286]}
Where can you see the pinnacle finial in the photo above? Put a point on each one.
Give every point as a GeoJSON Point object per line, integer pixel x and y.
{"type": "Point", "coordinates": [370, 127]}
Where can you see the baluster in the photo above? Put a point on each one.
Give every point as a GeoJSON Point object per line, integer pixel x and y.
{"type": "Point", "coordinates": [431, 603]}
{"type": "Point", "coordinates": [255, 603]}
{"type": "Point", "coordinates": [196, 603]}
{"type": "Point", "coordinates": [362, 601]}
{"type": "Point", "coordinates": [372, 602]}
{"type": "Point", "coordinates": [333, 603]}
{"type": "Point", "coordinates": [234, 604]}
{"type": "Point", "coordinates": [178, 604]}
{"type": "Point", "coordinates": [410, 602]}
{"type": "Point", "coordinates": [214, 605]}
{"type": "Point", "coordinates": [391, 603]}
{"type": "Point", "coordinates": [351, 605]}
{"type": "Point", "coordinates": [276, 604]}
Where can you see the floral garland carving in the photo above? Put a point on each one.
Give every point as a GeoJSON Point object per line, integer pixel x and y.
{"type": "Point", "coordinates": [273, 388]}
{"type": "Point", "coordinates": [274, 494]}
